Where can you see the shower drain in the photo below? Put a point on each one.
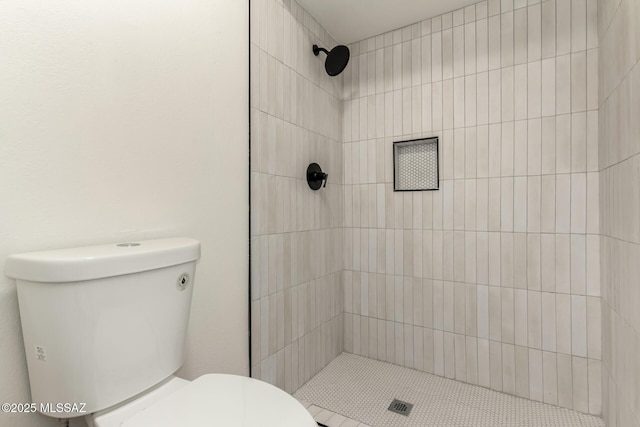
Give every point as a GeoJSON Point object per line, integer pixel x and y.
{"type": "Point", "coordinates": [400, 407]}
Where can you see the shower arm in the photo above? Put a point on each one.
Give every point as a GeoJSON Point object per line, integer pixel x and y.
{"type": "Point", "coordinates": [317, 50]}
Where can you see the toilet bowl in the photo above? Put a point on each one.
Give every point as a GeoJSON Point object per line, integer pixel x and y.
{"type": "Point", "coordinates": [80, 308]}
{"type": "Point", "coordinates": [210, 400]}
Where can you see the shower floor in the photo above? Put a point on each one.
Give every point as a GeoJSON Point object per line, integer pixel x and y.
{"type": "Point", "coordinates": [357, 388]}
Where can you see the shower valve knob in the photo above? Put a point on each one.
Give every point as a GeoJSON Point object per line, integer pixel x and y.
{"type": "Point", "coordinates": [320, 176]}
{"type": "Point", "coordinates": [315, 177]}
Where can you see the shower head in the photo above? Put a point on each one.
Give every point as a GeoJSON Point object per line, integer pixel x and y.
{"type": "Point", "coordinates": [337, 59]}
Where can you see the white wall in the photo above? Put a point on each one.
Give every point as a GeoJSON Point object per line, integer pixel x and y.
{"type": "Point", "coordinates": [127, 120]}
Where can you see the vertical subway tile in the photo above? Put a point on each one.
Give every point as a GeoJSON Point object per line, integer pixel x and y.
{"type": "Point", "coordinates": [534, 32]}
{"type": "Point", "coordinates": [548, 317]}
{"type": "Point", "coordinates": [508, 369]}
{"type": "Point", "coordinates": [563, 263]}
{"type": "Point", "coordinates": [578, 325]}
{"type": "Point", "coordinates": [548, 262]}
{"type": "Point", "coordinates": [507, 34]}
{"type": "Point", "coordinates": [578, 25]}
{"type": "Point", "coordinates": [563, 144]}
{"type": "Point", "coordinates": [563, 323]}
{"type": "Point", "coordinates": [484, 364]}
{"type": "Point", "coordinates": [495, 358]}
{"type": "Point", "coordinates": [521, 323]}
{"type": "Point", "coordinates": [507, 100]}
{"type": "Point", "coordinates": [548, 146]}
{"type": "Point", "coordinates": [460, 356]}
{"type": "Point", "coordinates": [563, 27]}
{"type": "Point", "coordinates": [520, 92]}
{"type": "Point", "coordinates": [534, 319]}
{"type": "Point", "coordinates": [548, 14]}
{"type": "Point", "coordinates": [565, 380]}
{"type": "Point", "coordinates": [520, 36]}
{"type": "Point", "coordinates": [522, 371]}
{"type": "Point", "coordinates": [580, 384]}
{"type": "Point", "coordinates": [578, 264]}
{"type": "Point", "coordinates": [550, 377]}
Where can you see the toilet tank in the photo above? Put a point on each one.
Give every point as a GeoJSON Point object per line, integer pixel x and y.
{"type": "Point", "coordinates": [103, 323]}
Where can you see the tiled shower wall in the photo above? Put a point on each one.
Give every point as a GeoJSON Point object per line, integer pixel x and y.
{"type": "Point", "coordinates": [296, 233]}
{"type": "Point", "coordinates": [494, 279]}
{"type": "Point", "coordinates": [619, 28]}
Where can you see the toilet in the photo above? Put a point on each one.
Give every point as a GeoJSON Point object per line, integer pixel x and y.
{"type": "Point", "coordinates": [104, 332]}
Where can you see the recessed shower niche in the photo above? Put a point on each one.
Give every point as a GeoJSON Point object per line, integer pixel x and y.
{"type": "Point", "coordinates": [415, 165]}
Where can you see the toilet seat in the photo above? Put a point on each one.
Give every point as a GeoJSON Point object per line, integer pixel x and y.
{"type": "Point", "coordinates": [225, 401]}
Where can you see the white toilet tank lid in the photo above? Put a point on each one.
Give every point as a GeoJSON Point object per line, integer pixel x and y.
{"type": "Point", "coordinates": [225, 400]}
{"type": "Point", "coordinates": [96, 262]}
